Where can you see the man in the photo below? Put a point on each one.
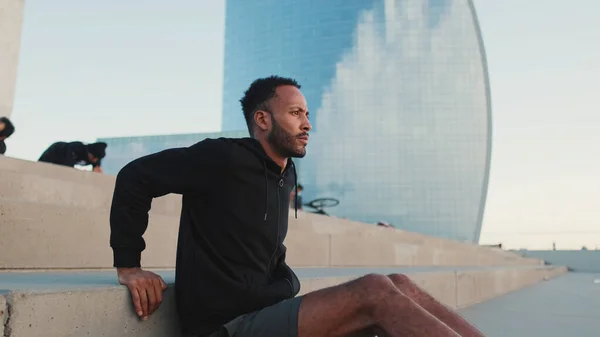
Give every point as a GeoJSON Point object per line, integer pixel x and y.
{"type": "Point", "coordinates": [6, 130]}
{"type": "Point", "coordinates": [75, 153]}
{"type": "Point", "coordinates": [231, 275]}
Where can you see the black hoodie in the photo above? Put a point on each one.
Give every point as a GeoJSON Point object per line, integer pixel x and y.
{"type": "Point", "coordinates": [68, 154]}
{"type": "Point", "coordinates": [234, 219]}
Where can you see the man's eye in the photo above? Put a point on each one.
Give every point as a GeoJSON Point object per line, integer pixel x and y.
{"type": "Point", "coordinates": [295, 112]}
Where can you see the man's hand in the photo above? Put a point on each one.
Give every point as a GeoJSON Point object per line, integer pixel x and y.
{"type": "Point", "coordinates": [146, 289]}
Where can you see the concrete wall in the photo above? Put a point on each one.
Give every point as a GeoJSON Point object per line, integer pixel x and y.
{"type": "Point", "coordinates": [43, 236]}
{"type": "Point", "coordinates": [47, 210]}
{"type": "Point", "coordinates": [11, 18]}
{"type": "Point", "coordinates": [577, 260]}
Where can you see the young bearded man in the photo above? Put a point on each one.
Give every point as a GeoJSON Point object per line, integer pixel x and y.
{"type": "Point", "coordinates": [231, 276]}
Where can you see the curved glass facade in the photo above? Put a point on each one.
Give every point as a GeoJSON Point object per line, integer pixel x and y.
{"type": "Point", "coordinates": [121, 150]}
{"type": "Point", "coordinates": [399, 98]}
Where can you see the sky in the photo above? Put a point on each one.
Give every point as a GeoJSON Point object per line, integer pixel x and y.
{"type": "Point", "coordinates": [92, 69]}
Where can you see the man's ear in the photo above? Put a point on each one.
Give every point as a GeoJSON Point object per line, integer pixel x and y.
{"type": "Point", "coordinates": [262, 119]}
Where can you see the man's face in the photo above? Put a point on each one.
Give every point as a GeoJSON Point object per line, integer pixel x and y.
{"type": "Point", "coordinates": [289, 122]}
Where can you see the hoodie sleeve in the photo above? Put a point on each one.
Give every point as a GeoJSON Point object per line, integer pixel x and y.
{"type": "Point", "coordinates": [180, 171]}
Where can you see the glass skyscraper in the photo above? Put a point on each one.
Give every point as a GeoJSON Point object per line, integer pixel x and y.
{"type": "Point", "coordinates": [399, 99]}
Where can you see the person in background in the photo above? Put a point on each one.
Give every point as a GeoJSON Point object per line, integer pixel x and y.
{"type": "Point", "coordinates": [293, 197]}
{"type": "Point", "coordinates": [75, 153]}
{"type": "Point", "coordinates": [6, 130]}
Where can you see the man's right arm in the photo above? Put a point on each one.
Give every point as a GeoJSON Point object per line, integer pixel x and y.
{"type": "Point", "coordinates": [180, 171]}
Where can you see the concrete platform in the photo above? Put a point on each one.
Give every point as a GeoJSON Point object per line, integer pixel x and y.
{"type": "Point", "coordinates": [564, 306]}
{"type": "Point", "coordinates": [82, 304]}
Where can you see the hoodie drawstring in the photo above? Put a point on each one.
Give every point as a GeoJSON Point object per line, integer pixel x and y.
{"type": "Point", "coordinates": [295, 194]}
{"type": "Point", "coordinates": [267, 190]}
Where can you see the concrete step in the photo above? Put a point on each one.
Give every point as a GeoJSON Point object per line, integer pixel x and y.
{"type": "Point", "coordinates": [48, 184]}
{"type": "Point", "coordinates": [333, 225]}
{"type": "Point", "coordinates": [83, 304]}
{"type": "Point", "coordinates": [8, 164]}
{"type": "Point", "coordinates": [63, 186]}
{"type": "Point", "coordinates": [46, 236]}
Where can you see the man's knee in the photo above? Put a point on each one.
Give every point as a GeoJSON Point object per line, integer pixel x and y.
{"type": "Point", "coordinates": [400, 279]}
{"type": "Point", "coordinates": [378, 292]}
{"type": "Point", "coordinates": [376, 287]}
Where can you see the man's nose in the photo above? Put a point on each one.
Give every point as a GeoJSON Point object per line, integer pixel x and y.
{"type": "Point", "coordinates": [306, 126]}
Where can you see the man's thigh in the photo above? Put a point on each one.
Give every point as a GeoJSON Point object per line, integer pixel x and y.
{"type": "Point", "coordinates": [279, 320]}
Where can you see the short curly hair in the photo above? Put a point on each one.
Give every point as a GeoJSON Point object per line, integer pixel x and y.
{"type": "Point", "coordinates": [258, 95]}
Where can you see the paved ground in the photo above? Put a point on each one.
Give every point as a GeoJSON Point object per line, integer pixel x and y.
{"type": "Point", "coordinates": [27, 280]}
{"type": "Point", "coordinates": [567, 306]}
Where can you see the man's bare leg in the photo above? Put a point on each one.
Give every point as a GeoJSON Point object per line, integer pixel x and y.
{"type": "Point", "coordinates": [433, 306]}
{"type": "Point", "coordinates": [370, 302]}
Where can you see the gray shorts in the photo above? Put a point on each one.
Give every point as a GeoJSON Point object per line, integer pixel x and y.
{"type": "Point", "coordinates": [278, 320]}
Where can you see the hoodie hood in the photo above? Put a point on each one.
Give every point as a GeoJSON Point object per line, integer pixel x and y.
{"type": "Point", "coordinates": [98, 150]}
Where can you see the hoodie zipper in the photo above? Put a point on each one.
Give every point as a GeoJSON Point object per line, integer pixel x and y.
{"type": "Point", "coordinates": [279, 186]}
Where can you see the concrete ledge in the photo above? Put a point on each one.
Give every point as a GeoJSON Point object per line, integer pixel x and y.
{"type": "Point", "coordinates": [34, 236]}
{"type": "Point", "coordinates": [8, 164]}
{"type": "Point", "coordinates": [87, 190]}
{"type": "Point", "coordinates": [93, 312]}
{"type": "Point", "coordinates": [476, 286]}
{"type": "Point", "coordinates": [585, 261]}
{"type": "Point", "coordinates": [395, 248]}
{"type": "Point", "coordinates": [35, 195]}
{"type": "Point", "coordinates": [336, 226]}
{"type": "Point", "coordinates": [108, 311]}
{"type": "Point", "coordinates": [47, 236]}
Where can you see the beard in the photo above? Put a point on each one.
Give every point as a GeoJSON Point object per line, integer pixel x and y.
{"type": "Point", "coordinates": [284, 143]}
